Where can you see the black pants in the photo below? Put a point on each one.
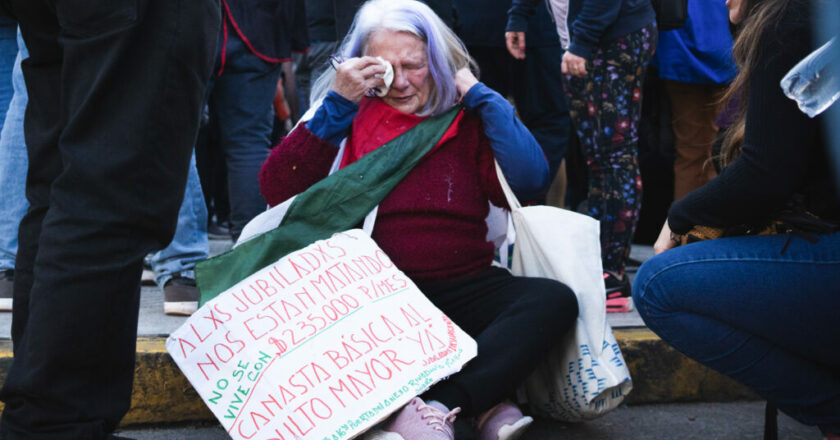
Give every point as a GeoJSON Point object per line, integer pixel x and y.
{"type": "Point", "coordinates": [514, 320]}
{"type": "Point", "coordinates": [115, 88]}
{"type": "Point", "coordinates": [240, 101]}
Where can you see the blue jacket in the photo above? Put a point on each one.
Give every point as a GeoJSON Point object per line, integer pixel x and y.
{"type": "Point", "coordinates": [701, 51]}
{"type": "Point", "coordinates": [592, 23]}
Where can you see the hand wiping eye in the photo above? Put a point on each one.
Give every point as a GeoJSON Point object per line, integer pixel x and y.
{"type": "Point", "coordinates": [387, 77]}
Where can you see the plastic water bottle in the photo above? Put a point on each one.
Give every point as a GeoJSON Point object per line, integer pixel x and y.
{"type": "Point", "coordinates": [814, 83]}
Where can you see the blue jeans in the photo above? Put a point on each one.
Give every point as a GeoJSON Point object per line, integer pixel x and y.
{"type": "Point", "coordinates": [767, 319]}
{"type": "Point", "coordinates": [8, 53]}
{"type": "Point", "coordinates": [190, 244]}
{"type": "Point", "coordinates": [13, 160]}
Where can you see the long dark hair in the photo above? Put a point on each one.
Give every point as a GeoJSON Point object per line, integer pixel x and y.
{"type": "Point", "coordinates": [760, 16]}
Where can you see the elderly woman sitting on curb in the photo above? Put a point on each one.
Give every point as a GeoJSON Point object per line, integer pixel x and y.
{"type": "Point", "coordinates": [432, 224]}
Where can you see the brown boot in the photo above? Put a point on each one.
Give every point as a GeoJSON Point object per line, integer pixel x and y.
{"type": "Point", "coordinates": [180, 296]}
{"type": "Point", "coordinates": [7, 281]}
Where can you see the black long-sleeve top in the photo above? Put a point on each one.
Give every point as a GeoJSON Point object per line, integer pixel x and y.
{"type": "Point", "coordinates": [271, 29]}
{"type": "Point", "coordinates": [784, 152]}
{"type": "Point", "coordinates": [591, 22]}
{"type": "Point", "coordinates": [345, 11]}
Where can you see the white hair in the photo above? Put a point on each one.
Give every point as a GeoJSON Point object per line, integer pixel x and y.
{"type": "Point", "coordinates": [446, 52]}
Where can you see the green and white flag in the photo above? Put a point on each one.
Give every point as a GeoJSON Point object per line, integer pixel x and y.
{"type": "Point", "coordinates": [335, 204]}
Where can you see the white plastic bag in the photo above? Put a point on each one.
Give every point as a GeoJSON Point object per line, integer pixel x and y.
{"type": "Point", "coordinates": [584, 376]}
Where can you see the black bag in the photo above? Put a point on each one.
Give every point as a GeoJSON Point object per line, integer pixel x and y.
{"type": "Point", "coordinates": [670, 14]}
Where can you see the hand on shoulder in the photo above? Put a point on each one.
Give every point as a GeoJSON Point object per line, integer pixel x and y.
{"type": "Point", "coordinates": [464, 81]}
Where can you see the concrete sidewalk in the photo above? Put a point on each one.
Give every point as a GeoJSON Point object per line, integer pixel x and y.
{"type": "Point", "coordinates": [153, 323]}
{"type": "Point", "coordinates": [163, 395]}
{"type": "Point", "coordinates": [701, 421]}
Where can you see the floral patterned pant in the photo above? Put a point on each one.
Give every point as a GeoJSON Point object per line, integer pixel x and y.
{"type": "Point", "coordinates": [605, 107]}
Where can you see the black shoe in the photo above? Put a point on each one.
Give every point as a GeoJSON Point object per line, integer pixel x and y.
{"type": "Point", "coordinates": [633, 264]}
{"type": "Point", "coordinates": [619, 293]}
{"type": "Point", "coordinates": [218, 230]}
{"type": "Point", "coordinates": [7, 282]}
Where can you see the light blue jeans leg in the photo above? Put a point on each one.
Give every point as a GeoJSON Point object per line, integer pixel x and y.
{"type": "Point", "coordinates": [8, 55]}
{"type": "Point", "coordinates": [190, 244]}
{"type": "Point", "coordinates": [13, 164]}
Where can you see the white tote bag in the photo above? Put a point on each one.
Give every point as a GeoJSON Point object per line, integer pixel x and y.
{"type": "Point", "coordinates": [584, 376]}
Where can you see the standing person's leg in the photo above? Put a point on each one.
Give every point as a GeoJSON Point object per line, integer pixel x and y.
{"type": "Point", "coordinates": [13, 164]}
{"type": "Point", "coordinates": [242, 101]}
{"type": "Point", "coordinates": [115, 89]}
{"type": "Point", "coordinates": [309, 67]}
{"type": "Point", "coordinates": [766, 318]}
{"type": "Point", "coordinates": [541, 102]}
{"type": "Point", "coordinates": [8, 53]}
{"type": "Point", "coordinates": [495, 66]}
{"type": "Point", "coordinates": [606, 114]}
{"type": "Point", "coordinates": [694, 108]}
{"type": "Point", "coordinates": [173, 266]}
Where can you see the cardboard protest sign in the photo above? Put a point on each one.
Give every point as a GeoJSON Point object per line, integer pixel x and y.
{"type": "Point", "coordinates": [322, 344]}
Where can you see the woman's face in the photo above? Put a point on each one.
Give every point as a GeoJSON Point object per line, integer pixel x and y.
{"type": "Point", "coordinates": [407, 54]}
{"type": "Point", "coordinates": [737, 9]}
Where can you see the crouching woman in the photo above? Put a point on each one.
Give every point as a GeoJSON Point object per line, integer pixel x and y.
{"type": "Point", "coordinates": [760, 308]}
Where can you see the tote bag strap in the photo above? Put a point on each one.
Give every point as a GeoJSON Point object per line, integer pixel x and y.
{"type": "Point", "coordinates": [513, 202]}
{"type": "Point", "coordinates": [511, 198]}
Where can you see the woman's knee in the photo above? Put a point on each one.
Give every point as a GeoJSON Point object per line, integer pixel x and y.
{"type": "Point", "coordinates": [556, 302]}
{"type": "Point", "coordinates": [660, 279]}
{"type": "Point", "coordinates": [642, 296]}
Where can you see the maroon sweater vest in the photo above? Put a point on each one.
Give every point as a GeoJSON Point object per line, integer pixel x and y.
{"type": "Point", "coordinates": [432, 223]}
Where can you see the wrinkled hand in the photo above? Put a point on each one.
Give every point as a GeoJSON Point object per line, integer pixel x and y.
{"type": "Point", "coordinates": [664, 241]}
{"type": "Point", "coordinates": [573, 65]}
{"type": "Point", "coordinates": [516, 44]}
{"type": "Point", "coordinates": [464, 81]}
{"type": "Point", "coordinates": [355, 77]}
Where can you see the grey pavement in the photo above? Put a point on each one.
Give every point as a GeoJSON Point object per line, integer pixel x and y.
{"type": "Point", "coordinates": [153, 322]}
{"type": "Point", "coordinates": [734, 420]}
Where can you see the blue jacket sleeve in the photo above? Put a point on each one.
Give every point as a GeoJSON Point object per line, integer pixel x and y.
{"type": "Point", "coordinates": [519, 13]}
{"type": "Point", "coordinates": [333, 118]}
{"type": "Point", "coordinates": [590, 23]}
{"type": "Point", "coordinates": [520, 157]}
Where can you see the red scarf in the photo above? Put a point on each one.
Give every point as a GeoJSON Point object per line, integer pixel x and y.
{"type": "Point", "coordinates": [377, 123]}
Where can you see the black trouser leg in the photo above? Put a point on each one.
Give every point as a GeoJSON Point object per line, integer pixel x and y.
{"type": "Point", "coordinates": [537, 89]}
{"type": "Point", "coordinates": [115, 88]}
{"type": "Point", "coordinates": [514, 320]}
{"type": "Point", "coordinates": [541, 101]}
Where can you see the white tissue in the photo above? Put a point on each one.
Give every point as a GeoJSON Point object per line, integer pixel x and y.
{"type": "Point", "coordinates": [388, 77]}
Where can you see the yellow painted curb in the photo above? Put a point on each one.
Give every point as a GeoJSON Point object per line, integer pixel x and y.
{"type": "Point", "coordinates": [161, 393]}
{"type": "Point", "coordinates": [660, 374]}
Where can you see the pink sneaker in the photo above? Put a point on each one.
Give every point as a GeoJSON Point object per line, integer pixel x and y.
{"type": "Point", "coordinates": [619, 297]}
{"type": "Point", "coordinates": [503, 422]}
{"type": "Point", "coordinates": [418, 421]}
